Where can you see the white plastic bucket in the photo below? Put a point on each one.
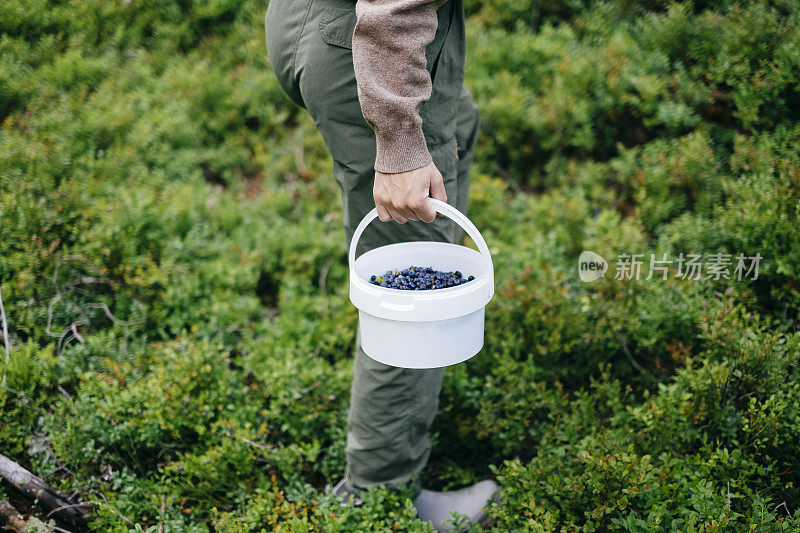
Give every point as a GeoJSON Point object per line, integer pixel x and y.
{"type": "Point", "coordinates": [422, 329]}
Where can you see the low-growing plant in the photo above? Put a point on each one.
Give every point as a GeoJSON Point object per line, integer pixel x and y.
{"type": "Point", "coordinates": [174, 273]}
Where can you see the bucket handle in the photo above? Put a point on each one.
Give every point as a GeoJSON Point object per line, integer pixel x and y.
{"type": "Point", "coordinates": [446, 209]}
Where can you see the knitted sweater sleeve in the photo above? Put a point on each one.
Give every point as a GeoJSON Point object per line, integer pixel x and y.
{"type": "Point", "coordinates": [389, 44]}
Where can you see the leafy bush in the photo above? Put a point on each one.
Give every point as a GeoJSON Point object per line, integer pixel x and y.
{"type": "Point", "coordinates": [173, 269]}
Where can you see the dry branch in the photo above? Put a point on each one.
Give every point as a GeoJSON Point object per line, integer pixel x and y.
{"type": "Point", "coordinates": [33, 487]}
{"type": "Point", "coordinates": [5, 327]}
{"type": "Point", "coordinates": [11, 517]}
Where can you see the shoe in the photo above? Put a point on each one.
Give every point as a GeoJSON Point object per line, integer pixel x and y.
{"type": "Point", "coordinates": [470, 501]}
{"type": "Point", "coordinates": [437, 506]}
{"type": "Point", "coordinates": [341, 491]}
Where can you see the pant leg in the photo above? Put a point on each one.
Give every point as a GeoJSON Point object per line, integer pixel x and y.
{"type": "Point", "coordinates": [391, 409]}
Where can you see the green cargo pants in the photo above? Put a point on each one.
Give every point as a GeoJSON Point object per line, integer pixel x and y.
{"type": "Point", "coordinates": [309, 48]}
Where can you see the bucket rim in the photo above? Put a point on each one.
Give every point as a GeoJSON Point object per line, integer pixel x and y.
{"type": "Point", "coordinates": [421, 306]}
{"type": "Point", "coordinates": [482, 275]}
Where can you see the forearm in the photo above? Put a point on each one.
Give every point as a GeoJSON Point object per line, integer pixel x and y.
{"type": "Point", "coordinates": [389, 44]}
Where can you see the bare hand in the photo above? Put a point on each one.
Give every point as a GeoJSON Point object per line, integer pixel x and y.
{"type": "Point", "coordinates": [404, 196]}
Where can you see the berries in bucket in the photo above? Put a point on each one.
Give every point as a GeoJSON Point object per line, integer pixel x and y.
{"type": "Point", "coordinates": [419, 279]}
{"type": "Point", "coordinates": [422, 328]}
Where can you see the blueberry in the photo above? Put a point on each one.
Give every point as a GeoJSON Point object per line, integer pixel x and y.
{"type": "Point", "coordinates": [689, 493]}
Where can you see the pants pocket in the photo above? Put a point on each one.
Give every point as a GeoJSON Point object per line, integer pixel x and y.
{"type": "Point", "coordinates": [336, 26]}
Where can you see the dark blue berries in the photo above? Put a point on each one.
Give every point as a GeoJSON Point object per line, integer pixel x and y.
{"type": "Point", "coordinates": [419, 279]}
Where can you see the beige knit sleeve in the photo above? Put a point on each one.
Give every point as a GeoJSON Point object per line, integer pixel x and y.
{"type": "Point", "coordinates": [391, 72]}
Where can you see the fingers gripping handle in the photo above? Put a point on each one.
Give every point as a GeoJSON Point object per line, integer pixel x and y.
{"type": "Point", "coordinates": [449, 211]}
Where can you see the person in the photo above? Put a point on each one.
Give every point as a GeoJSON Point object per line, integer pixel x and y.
{"type": "Point", "coordinates": [383, 82]}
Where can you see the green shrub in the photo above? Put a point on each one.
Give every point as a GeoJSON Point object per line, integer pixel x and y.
{"type": "Point", "coordinates": [173, 269]}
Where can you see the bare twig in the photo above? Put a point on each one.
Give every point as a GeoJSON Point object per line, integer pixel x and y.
{"type": "Point", "coordinates": [163, 510]}
{"type": "Point", "coordinates": [627, 352]}
{"type": "Point", "coordinates": [66, 334]}
{"type": "Point", "coordinates": [106, 506]}
{"type": "Point", "coordinates": [785, 507]}
{"type": "Point", "coordinates": [255, 444]}
{"type": "Point", "coordinates": [323, 276]}
{"type": "Point", "coordinates": [300, 162]}
{"type": "Point", "coordinates": [85, 280]}
{"type": "Point", "coordinates": [53, 301]}
{"type": "Point", "coordinates": [111, 317]}
{"type": "Point", "coordinates": [71, 331]}
{"type": "Point", "coordinates": [67, 507]}
{"type": "Point", "coordinates": [5, 327]}
{"type": "Point", "coordinates": [76, 334]}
